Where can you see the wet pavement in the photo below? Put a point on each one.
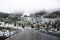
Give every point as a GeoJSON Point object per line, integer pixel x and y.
{"type": "Point", "coordinates": [26, 34]}
{"type": "Point", "coordinates": [32, 34]}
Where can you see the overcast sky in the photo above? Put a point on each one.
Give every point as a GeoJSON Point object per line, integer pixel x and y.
{"type": "Point", "coordinates": [28, 5]}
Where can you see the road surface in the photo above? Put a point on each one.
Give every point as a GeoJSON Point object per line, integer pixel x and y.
{"type": "Point", "coordinates": [31, 34]}
{"type": "Point", "coordinates": [26, 34]}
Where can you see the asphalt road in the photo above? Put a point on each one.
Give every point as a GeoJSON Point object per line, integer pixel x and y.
{"type": "Point", "coordinates": [26, 34]}
{"type": "Point", "coordinates": [31, 34]}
